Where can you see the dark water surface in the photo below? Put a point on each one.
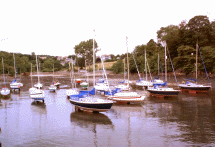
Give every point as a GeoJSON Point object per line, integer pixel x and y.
{"type": "Point", "coordinates": [188, 120]}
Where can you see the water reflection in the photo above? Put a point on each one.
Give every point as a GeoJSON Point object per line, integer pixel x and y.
{"type": "Point", "coordinates": [84, 123]}
{"type": "Point", "coordinates": [89, 120]}
{"type": "Point", "coordinates": [38, 106]}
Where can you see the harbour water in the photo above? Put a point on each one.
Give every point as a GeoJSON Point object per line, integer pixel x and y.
{"type": "Point", "coordinates": [187, 120]}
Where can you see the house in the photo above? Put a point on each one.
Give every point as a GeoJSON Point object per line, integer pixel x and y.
{"type": "Point", "coordinates": [106, 57]}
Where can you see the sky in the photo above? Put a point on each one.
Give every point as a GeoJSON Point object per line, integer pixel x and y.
{"type": "Point", "coordinates": [54, 27]}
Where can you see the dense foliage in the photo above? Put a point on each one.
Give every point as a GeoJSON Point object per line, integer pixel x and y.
{"type": "Point", "coordinates": [23, 63]}
{"type": "Point", "coordinates": [181, 43]}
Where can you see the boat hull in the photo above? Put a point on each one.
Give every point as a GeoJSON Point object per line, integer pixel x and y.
{"type": "Point", "coordinates": [37, 94]}
{"type": "Point", "coordinates": [16, 85]}
{"type": "Point", "coordinates": [127, 97]}
{"type": "Point", "coordinates": [195, 88]}
{"type": "Point", "coordinates": [164, 93]}
{"type": "Point", "coordinates": [97, 107]}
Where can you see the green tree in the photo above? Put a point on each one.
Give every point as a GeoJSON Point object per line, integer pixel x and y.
{"type": "Point", "coordinates": [199, 28]}
{"type": "Point", "coordinates": [118, 67]}
{"type": "Point", "coordinates": [170, 35]}
{"type": "Point", "coordinates": [48, 65]}
{"type": "Point", "coordinates": [85, 50]}
{"type": "Point", "coordinates": [186, 59]}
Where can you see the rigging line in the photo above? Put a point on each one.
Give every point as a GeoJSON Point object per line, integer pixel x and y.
{"type": "Point", "coordinates": [172, 66]}
{"type": "Point", "coordinates": [105, 74]}
{"type": "Point", "coordinates": [149, 69]}
{"type": "Point", "coordinates": [136, 66]}
{"type": "Point", "coordinates": [204, 65]}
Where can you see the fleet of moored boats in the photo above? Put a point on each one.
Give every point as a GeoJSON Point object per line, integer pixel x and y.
{"type": "Point", "coordinates": [91, 101]}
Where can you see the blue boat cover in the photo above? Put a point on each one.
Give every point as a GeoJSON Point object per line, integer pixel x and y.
{"type": "Point", "coordinates": [155, 78]}
{"type": "Point", "coordinates": [163, 84]}
{"type": "Point", "coordinates": [14, 81]}
{"type": "Point", "coordinates": [83, 93]}
{"type": "Point", "coordinates": [101, 80]}
{"type": "Point", "coordinates": [122, 82]}
{"type": "Point", "coordinates": [112, 92]}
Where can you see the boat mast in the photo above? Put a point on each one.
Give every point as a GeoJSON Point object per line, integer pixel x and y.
{"type": "Point", "coordinates": [158, 65]}
{"type": "Point", "coordinates": [53, 72]}
{"type": "Point", "coordinates": [37, 70]}
{"type": "Point", "coordinates": [31, 76]}
{"type": "Point", "coordinates": [3, 72]}
{"type": "Point", "coordinates": [127, 58]}
{"type": "Point", "coordinates": [145, 65]}
{"type": "Point", "coordinates": [165, 64]}
{"type": "Point", "coordinates": [196, 59]}
{"type": "Point", "coordinates": [124, 69]}
{"type": "Point", "coordinates": [93, 62]}
{"type": "Point", "coordinates": [14, 65]}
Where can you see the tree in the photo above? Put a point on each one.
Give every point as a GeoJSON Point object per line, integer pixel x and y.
{"type": "Point", "coordinates": [186, 59]}
{"type": "Point", "coordinates": [85, 50]}
{"type": "Point", "coordinates": [118, 67]}
{"type": "Point", "coordinates": [170, 35]}
{"type": "Point", "coordinates": [199, 29]}
{"type": "Point", "coordinates": [48, 65]}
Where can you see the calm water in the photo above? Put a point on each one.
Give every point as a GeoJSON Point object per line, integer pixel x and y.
{"type": "Point", "coordinates": [188, 120]}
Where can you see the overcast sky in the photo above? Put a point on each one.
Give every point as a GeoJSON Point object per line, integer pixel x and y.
{"type": "Point", "coordinates": [54, 27]}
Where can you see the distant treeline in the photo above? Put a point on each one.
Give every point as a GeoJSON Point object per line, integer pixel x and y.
{"type": "Point", "coordinates": [23, 63]}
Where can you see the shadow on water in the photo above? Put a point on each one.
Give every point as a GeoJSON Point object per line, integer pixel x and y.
{"type": "Point", "coordinates": [84, 119]}
{"type": "Point", "coordinates": [38, 106]}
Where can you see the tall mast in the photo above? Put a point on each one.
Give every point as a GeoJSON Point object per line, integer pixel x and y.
{"type": "Point", "coordinates": [31, 76]}
{"type": "Point", "coordinates": [124, 69]}
{"type": "Point", "coordinates": [14, 65]}
{"type": "Point", "coordinates": [37, 70]}
{"type": "Point", "coordinates": [53, 72]}
{"type": "Point", "coordinates": [145, 65]}
{"type": "Point", "coordinates": [3, 71]}
{"type": "Point", "coordinates": [165, 64]}
{"type": "Point", "coordinates": [127, 58]}
{"type": "Point", "coordinates": [158, 65]}
{"type": "Point", "coordinates": [196, 59]}
{"type": "Point", "coordinates": [93, 62]}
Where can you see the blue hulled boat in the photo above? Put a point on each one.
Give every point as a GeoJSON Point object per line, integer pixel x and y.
{"type": "Point", "coordinates": [86, 100]}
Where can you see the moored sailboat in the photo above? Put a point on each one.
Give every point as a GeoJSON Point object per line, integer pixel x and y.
{"type": "Point", "coordinates": [163, 90]}
{"type": "Point", "coordinates": [52, 87]}
{"type": "Point", "coordinates": [37, 93]}
{"type": "Point", "coordinates": [127, 96]}
{"type": "Point", "coordinates": [5, 92]}
{"type": "Point", "coordinates": [191, 85]}
{"type": "Point", "coordinates": [87, 101]}
{"type": "Point", "coordinates": [14, 85]}
{"type": "Point", "coordinates": [73, 90]}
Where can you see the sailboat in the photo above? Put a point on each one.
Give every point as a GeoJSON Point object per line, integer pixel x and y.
{"type": "Point", "coordinates": [144, 83]}
{"type": "Point", "coordinates": [38, 85]}
{"type": "Point", "coordinates": [37, 93]}
{"type": "Point", "coordinates": [127, 96]}
{"type": "Point", "coordinates": [191, 85]}
{"type": "Point", "coordinates": [102, 84]}
{"type": "Point", "coordinates": [32, 87]}
{"type": "Point", "coordinates": [157, 80]}
{"type": "Point", "coordinates": [87, 101]}
{"type": "Point", "coordinates": [84, 84]}
{"type": "Point", "coordinates": [124, 85]}
{"type": "Point", "coordinates": [73, 90]}
{"type": "Point", "coordinates": [5, 92]}
{"type": "Point", "coordinates": [52, 87]}
{"type": "Point", "coordinates": [162, 89]}
{"type": "Point", "coordinates": [15, 84]}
